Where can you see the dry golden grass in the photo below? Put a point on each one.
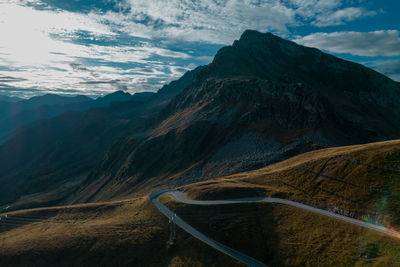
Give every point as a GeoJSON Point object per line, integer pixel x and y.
{"type": "Point", "coordinates": [178, 120]}
{"type": "Point", "coordinates": [61, 227]}
{"type": "Point", "coordinates": [354, 178]}
{"type": "Point", "coordinates": [119, 233]}
{"type": "Point", "coordinates": [362, 178]}
{"type": "Point", "coordinates": [279, 235]}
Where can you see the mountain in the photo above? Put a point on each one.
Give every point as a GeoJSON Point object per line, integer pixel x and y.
{"type": "Point", "coordinates": [121, 96]}
{"type": "Point", "coordinates": [261, 100]}
{"type": "Point", "coordinates": [46, 162]}
{"type": "Point", "coordinates": [175, 87]}
{"type": "Point", "coordinates": [14, 116]}
{"type": "Point", "coordinates": [4, 98]}
{"type": "Point", "coordinates": [52, 100]}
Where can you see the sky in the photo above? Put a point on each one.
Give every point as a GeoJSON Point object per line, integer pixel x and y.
{"type": "Point", "coordinates": [95, 47]}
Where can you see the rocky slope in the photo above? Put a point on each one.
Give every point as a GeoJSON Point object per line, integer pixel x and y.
{"type": "Point", "coordinates": [261, 100]}
{"type": "Point", "coordinates": [46, 162]}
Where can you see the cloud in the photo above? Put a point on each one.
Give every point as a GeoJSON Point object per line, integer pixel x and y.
{"type": "Point", "coordinates": [56, 50]}
{"type": "Point", "coordinates": [143, 70]}
{"type": "Point", "coordinates": [369, 44]}
{"type": "Point", "coordinates": [308, 9]}
{"type": "Point", "coordinates": [341, 16]}
{"type": "Point", "coordinates": [391, 68]}
{"type": "Point", "coordinates": [101, 82]}
{"type": "Point", "coordinates": [78, 67]}
{"type": "Point", "coordinates": [199, 21]}
{"type": "Point", "coordinates": [25, 33]}
{"type": "Point", "coordinates": [10, 79]}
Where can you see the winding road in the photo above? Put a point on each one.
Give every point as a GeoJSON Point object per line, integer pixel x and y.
{"type": "Point", "coordinates": [180, 197]}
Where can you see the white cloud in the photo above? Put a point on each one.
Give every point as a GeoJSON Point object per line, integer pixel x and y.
{"type": "Point", "coordinates": [322, 13]}
{"type": "Point", "coordinates": [25, 33]}
{"type": "Point", "coordinates": [43, 62]}
{"type": "Point", "coordinates": [341, 16]}
{"type": "Point", "coordinates": [390, 68]}
{"type": "Point", "coordinates": [207, 21]}
{"type": "Point", "coordinates": [369, 44]}
{"type": "Point", "coordinates": [222, 21]}
{"type": "Point", "coordinates": [309, 9]}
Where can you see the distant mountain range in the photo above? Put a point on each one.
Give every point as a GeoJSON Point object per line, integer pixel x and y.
{"type": "Point", "coordinates": [4, 98]}
{"type": "Point", "coordinates": [261, 100]}
{"type": "Point", "coordinates": [15, 115]}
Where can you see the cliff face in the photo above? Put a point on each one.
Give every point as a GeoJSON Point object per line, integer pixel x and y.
{"type": "Point", "coordinates": [261, 100]}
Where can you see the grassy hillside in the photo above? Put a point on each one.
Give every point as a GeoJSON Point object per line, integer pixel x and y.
{"type": "Point", "coordinates": [279, 235]}
{"type": "Point", "coordinates": [359, 181]}
{"type": "Point", "coordinates": [128, 233]}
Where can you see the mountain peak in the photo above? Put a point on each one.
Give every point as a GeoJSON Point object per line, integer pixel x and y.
{"type": "Point", "coordinates": [253, 35]}
{"type": "Point", "coordinates": [116, 96]}
{"type": "Point", "coordinates": [257, 41]}
{"type": "Point", "coordinates": [250, 34]}
{"type": "Point", "coordinates": [269, 57]}
{"type": "Point", "coordinates": [266, 57]}
{"type": "Point", "coordinates": [119, 92]}
{"type": "Point", "coordinates": [261, 55]}
{"type": "Point", "coordinates": [54, 99]}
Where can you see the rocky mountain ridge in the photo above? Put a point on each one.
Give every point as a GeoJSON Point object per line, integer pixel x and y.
{"type": "Point", "coordinates": [262, 92]}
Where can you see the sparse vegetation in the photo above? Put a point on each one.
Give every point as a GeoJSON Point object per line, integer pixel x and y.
{"type": "Point", "coordinates": [129, 233]}
{"type": "Point", "coordinates": [284, 236]}
{"type": "Point", "coordinates": [354, 180]}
